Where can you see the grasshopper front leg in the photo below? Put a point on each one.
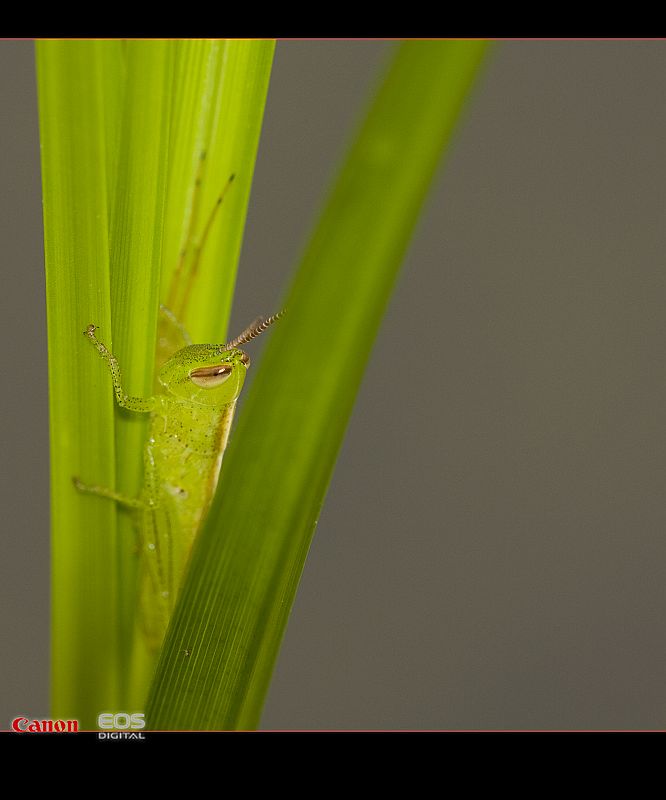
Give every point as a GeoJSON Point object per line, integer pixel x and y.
{"type": "Point", "coordinates": [124, 400]}
{"type": "Point", "coordinates": [102, 491]}
{"type": "Point", "coordinates": [140, 404]}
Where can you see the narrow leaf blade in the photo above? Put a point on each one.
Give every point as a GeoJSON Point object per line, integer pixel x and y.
{"type": "Point", "coordinates": [74, 78]}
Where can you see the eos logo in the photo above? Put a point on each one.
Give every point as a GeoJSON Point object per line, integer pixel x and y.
{"type": "Point", "coordinates": [121, 722]}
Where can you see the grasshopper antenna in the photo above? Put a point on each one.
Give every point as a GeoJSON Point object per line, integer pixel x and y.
{"type": "Point", "coordinates": [254, 329]}
{"type": "Point", "coordinates": [181, 283]}
{"type": "Point", "coordinates": [198, 247]}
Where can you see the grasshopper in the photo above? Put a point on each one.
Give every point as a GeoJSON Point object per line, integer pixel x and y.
{"type": "Point", "coordinates": [189, 427]}
{"type": "Point", "coordinates": [190, 418]}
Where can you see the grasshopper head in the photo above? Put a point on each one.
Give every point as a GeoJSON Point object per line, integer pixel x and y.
{"type": "Point", "coordinates": [209, 374]}
{"type": "Point", "coordinates": [212, 374]}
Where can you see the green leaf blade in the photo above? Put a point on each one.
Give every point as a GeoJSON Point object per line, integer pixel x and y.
{"type": "Point", "coordinates": [220, 651]}
{"type": "Point", "coordinates": [121, 127]}
{"type": "Point", "coordinates": [73, 81]}
{"type": "Point", "coordinates": [141, 137]}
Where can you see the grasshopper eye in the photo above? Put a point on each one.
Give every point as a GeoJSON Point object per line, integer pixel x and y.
{"type": "Point", "coordinates": [210, 377]}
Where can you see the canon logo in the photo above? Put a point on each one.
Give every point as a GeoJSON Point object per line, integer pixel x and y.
{"type": "Point", "coordinates": [25, 725]}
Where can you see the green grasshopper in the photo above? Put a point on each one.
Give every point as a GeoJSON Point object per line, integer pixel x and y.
{"type": "Point", "coordinates": [190, 418]}
{"type": "Point", "coordinates": [189, 427]}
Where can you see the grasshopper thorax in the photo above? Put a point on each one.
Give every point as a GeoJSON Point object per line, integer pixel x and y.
{"type": "Point", "coordinates": [207, 374]}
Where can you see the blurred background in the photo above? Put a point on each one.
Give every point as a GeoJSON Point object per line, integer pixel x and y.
{"type": "Point", "coordinates": [491, 553]}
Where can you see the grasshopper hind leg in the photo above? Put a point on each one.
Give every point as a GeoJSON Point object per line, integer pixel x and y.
{"type": "Point", "coordinates": [160, 556]}
{"type": "Point", "coordinates": [162, 559]}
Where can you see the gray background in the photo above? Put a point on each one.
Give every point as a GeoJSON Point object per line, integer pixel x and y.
{"type": "Point", "coordinates": [492, 552]}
